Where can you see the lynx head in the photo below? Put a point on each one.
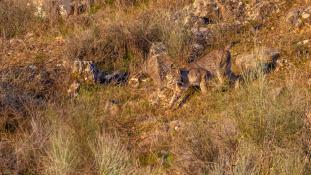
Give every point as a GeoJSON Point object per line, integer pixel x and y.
{"type": "Point", "coordinates": [176, 79]}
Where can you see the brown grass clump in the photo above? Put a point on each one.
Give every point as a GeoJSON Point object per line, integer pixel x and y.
{"type": "Point", "coordinates": [16, 17]}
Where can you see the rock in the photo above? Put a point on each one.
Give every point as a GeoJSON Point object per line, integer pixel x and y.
{"type": "Point", "coordinates": [204, 37]}
{"type": "Point", "coordinates": [263, 58]}
{"type": "Point", "coordinates": [115, 78]}
{"type": "Point", "coordinates": [304, 42]}
{"type": "Point", "coordinates": [29, 35]}
{"type": "Point", "coordinates": [87, 72]}
{"type": "Point", "coordinates": [73, 89]}
{"type": "Point", "coordinates": [15, 42]}
{"type": "Point", "coordinates": [33, 67]}
{"type": "Point", "coordinates": [261, 10]}
{"type": "Point", "coordinates": [299, 17]}
{"type": "Point", "coordinates": [210, 19]}
{"type": "Point", "coordinates": [196, 51]}
{"type": "Point", "coordinates": [217, 10]}
{"type": "Point", "coordinates": [83, 71]}
{"type": "Point", "coordinates": [305, 15]}
{"type": "Point", "coordinates": [206, 9]}
{"type": "Point", "coordinates": [176, 125]}
{"type": "Point", "coordinates": [293, 17]}
{"type": "Point", "coordinates": [204, 12]}
{"type": "Point", "coordinates": [62, 10]}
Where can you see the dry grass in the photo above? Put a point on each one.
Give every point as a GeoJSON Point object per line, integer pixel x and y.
{"type": "Point", "coordinates": [124, 37]}
{"type": "Point", "coordinates": [259, 128]}
{"type": "Point", "coordinates": [16, 17]}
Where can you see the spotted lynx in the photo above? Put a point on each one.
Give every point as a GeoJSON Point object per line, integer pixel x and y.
{"type": "Point", "coordinates": [217, 64]}
{"type": "Point", "coordinates": [199, 73]}
{"type": "Point", "coordinates": [160, 68]}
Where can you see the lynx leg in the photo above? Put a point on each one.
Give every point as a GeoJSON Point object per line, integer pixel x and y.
{"type": "Point", "coordinates": [219, 77]}
{"type": "Point", "coordinates": [203, 85]}
{"type": "Point", "coordinates": [175, 97]}
{"type": "Point", "coordinates": [237, 84]}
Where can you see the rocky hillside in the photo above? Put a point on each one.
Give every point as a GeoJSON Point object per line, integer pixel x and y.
{"type": "Point", "coordinates": [67, 105]}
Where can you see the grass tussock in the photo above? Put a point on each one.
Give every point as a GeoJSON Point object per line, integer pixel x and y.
{"type": "Point", "coordinates": [16, 17]}
{"type": "Point", "coordinates": [111, 157]}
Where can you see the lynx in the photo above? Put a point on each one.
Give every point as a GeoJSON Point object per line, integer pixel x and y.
{"type": "Point", "coordinates": [198, 73]}
{"type": "Point", "coordinates": [216, 64]}
{"type": "Point", "coordinates": [195, 77]}
{"type": "Point", "coordinates": [160, 68]}
{"type": "Point", "coordinates": [262, 58]}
